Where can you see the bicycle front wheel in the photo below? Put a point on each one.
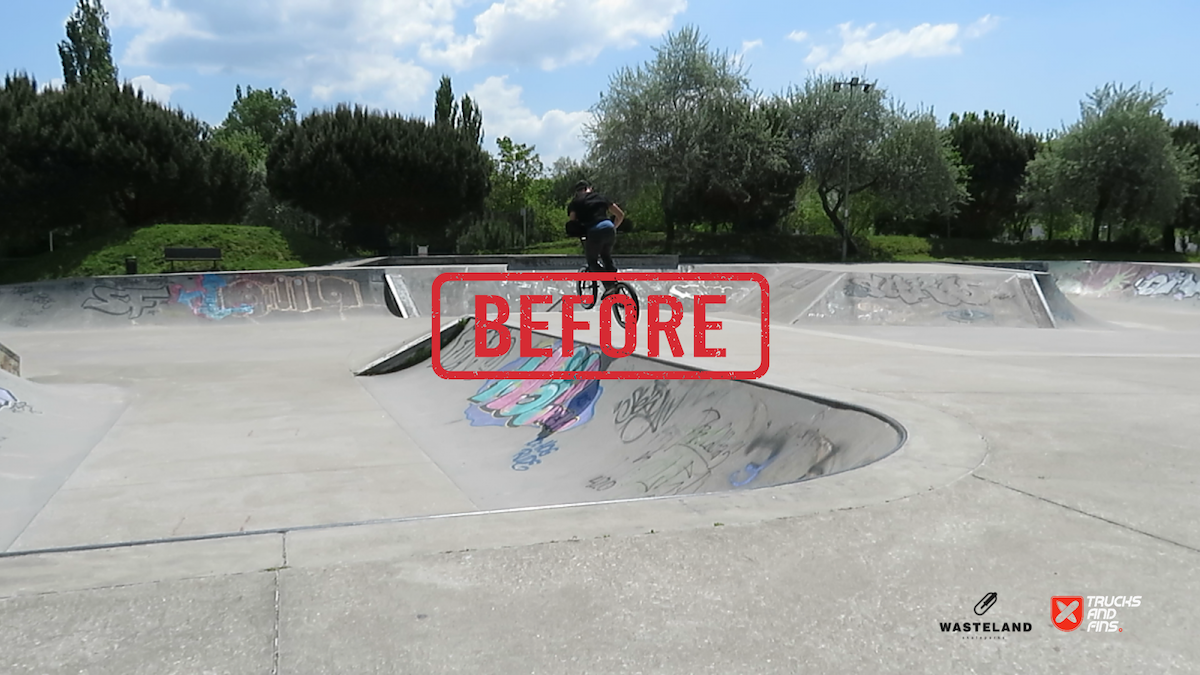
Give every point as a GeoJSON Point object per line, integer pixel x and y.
{"type": "Point", "coordinates": [619, 309]}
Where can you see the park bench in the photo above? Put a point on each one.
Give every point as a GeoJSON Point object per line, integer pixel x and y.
{"type": "Point", "coordinates": [173, 254]}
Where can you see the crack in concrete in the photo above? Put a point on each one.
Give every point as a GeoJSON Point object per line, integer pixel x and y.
{"type": "Point", "coordinates": [1124, 526]}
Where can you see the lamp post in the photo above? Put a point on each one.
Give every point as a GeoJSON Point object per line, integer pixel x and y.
{"type": "Point", "coordinates": [855, 85]}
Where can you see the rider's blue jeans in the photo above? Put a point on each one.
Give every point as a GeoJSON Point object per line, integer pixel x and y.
{"type": "Point", "coordinates": [599, 246]}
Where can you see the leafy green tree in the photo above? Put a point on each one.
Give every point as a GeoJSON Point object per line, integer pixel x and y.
{"type": "Point", "coordinates": [1118, 163]}
{"type": "Point", "coordinates": [683, 122]}
{"type": "Point", "coordinates": [86, 54]}
{"type": "Point", "coordinates": [515, 176]}
{"type": "Point", "coordinates": [995, 153]}
{"type": "Point", "coordinates": [380, 174]}
{"type": "Point", "coordinates": [254, 121]}
{"type": "Point", "coordinates": [743, 177]}
{"type": "Point", "coordinates": [94, 158]}
{"type": "Point", "coordinates": [516, 169]}
{"type": "Point", "coordinates": [1186, 137]}
{"type": "Point", "coordinates": [850, 141]}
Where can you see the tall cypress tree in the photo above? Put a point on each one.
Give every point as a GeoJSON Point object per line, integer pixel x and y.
{"type": "Point", "coordinates": [87, 52]}
{"type": "Point", "coordinates": [445, 111]}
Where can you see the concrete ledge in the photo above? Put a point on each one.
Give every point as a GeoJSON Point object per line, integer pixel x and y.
{"type": "Point", "coordinates": [574, 262]}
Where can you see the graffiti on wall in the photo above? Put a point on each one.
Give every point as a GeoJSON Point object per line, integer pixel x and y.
{"type": "Point", "coordinates": [647, 409]}
{"type": "Point", "coordinates": [220, 296]}
{"type": "Point", "coordinates": [1103, 279]}
{"type": "Point", "coordinates": [1180, 284]}
{"type": "Point", "coordinates": [550, 405]}
{"type": "Point", "coordinates": [967, 315]}
{"type": "Point", "coordinates": [949, 290]}
{"type": "Point", "coordinates": [32, 301]}
{"type": "Point", "coordinates": [130, 300]}
{"type": "Point", "coordinates": [533, 452]}
{"type": "Point", "coordinates": [10, 403]}
{"type": "Point", "coordinates": [216, 297]}
{"type": "Point", "coordinates": [698, 446]}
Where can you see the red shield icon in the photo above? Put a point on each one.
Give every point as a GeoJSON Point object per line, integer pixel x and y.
{"type": "Point", "coordinates": [1066, 611]}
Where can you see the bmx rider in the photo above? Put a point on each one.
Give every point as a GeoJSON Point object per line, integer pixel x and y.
{"type": "Point", "coordinates": [593, 210]}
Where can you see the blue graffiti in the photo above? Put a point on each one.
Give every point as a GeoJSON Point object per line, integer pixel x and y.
{"type": "Point", "coordinates": [750, 471]}
{"type": "Point", "coordinates": [206, 299]}
{"type": "Point", "coordinates": [10, 402]}
{"type": "Point", "coordinates": [532, 453]}
{"type": "Point", "coordinates": [553, 405]}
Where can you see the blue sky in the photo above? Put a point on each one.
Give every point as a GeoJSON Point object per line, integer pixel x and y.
{"type": "Point", "coordinates": [537, 66]}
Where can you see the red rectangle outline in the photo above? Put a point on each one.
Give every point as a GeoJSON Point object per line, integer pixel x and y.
{"type": "Point", "coordinates": [763, 285]}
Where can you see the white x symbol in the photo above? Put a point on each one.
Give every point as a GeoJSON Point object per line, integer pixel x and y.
{"type": "Point", "coordinates": [1068, 612]}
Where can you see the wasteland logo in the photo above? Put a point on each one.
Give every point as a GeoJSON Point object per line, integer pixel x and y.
{"type": "Point", "coordinates": [985, 630]}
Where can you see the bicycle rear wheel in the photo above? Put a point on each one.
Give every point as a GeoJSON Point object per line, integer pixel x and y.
{"type": "Point", "coordinates": [587, 289]}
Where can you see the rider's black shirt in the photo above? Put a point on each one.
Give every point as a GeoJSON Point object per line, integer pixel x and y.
{"type": "Point", "coordinates": [590, 208]}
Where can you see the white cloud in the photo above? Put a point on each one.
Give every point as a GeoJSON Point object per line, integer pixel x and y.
{"type": "Point", "coordinates": [797, 36]}
{"type": "Point", "coordinates": [155, 90]}
{"type": "Point", "coordinates": [981, 27]}
{"type": "Point", "coordinates": [858, 49]}
{"type": "Point", "coordinates": [747, 45]}
{"type": "Point", "coordinates": [324, 47]}
{"type": "Point", "coordinates": [555, 134]}
{"type": "Point", "coordinates": [550, 34]}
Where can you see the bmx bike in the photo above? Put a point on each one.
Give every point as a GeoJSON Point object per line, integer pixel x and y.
{"type": "Point", "coordinates": [589, 289]}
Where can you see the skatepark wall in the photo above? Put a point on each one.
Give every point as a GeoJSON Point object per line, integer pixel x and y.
{"type": "Point", "coordinates": [1163, 284]}
{"type": "Point", "coordinates": [199, 299]}
{"type": "Point", "coordinates": [911, 295]}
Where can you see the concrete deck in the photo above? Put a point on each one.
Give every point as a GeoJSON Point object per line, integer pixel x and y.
{"type": "Point", "coordinates": [304, 532]}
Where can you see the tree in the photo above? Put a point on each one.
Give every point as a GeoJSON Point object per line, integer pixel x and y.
{"type": "Point", "coordinates": [86, 54]}
{"type": "Point", "coordinates": [445, 110]}
{"type": "Point", "coordinates": [1186, 137]}
{"type": "Point", "coordinates": [995, 153]}
{"type": "Point", "coordinates": [516, 169]}
{"type": "Point", "coordinates": [743, 177]}
{"type": "Point", "coordinates": [381, 174]}
{"type": "Point", "coordinates": [1118, 163]}
{"type": "Point", "coordinates": [254, 121]}
{"type": "Point", "coordinates": [92, 159]}
{"type": "Point", "coordinates": [850, 141]}
{"type": "Point", "coordinates": [648, 127]}
{"type": "Point", "coordinates": [467, 119]}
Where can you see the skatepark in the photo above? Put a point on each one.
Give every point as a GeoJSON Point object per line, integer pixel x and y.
{"type": "Point", "coordinates": [261, 472]}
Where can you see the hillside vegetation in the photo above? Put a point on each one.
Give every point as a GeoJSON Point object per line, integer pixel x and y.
{"type": "Point", "coordinates": [242, 248]}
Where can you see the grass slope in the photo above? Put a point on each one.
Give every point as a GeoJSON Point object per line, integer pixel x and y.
{"type": "Point", "coordinates": [242, 248]}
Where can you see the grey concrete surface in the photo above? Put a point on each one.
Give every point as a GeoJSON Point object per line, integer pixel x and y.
{"type": "Point", "coordinates": [1040, 463]}
{"type": "Point", "coordinates": [222, 624]}
{"type": "Point", "coordinates": [45, 432]}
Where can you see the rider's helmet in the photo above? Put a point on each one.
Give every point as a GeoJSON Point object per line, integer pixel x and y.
{"type": "Point", "coordinates": [581, 186]}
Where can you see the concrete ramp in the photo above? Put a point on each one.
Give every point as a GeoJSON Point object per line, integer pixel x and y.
{"type": "Point", "coordinates": [45, 432]}
{"type": "Point", "coordinates": [522, 443]}
{"type": "Point", "coordinates": [906, 295]}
